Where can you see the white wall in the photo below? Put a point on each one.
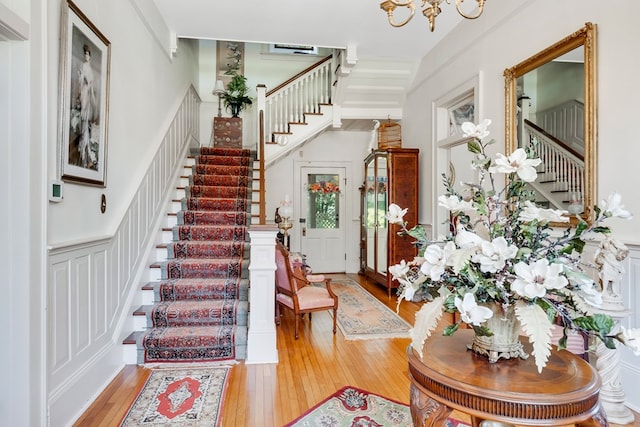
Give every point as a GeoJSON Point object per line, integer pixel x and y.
{"type": "Point", "coordinates": [21, 215]}
{"type": "Point", "coordinates": [146, 87]}
{"type": "Point", "coordinates": [508, 32]}
{"type": "Point", "coordinates": [332, 147]}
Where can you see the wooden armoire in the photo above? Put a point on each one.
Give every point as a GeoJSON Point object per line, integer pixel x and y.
{"type": "Point", "coordinates": [391, 176]}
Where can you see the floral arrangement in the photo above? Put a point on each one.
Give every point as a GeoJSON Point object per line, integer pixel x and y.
{"type": "Point", "coordinates": [324, 187]}
{"type": "Point", "coordinates": [503, 249]}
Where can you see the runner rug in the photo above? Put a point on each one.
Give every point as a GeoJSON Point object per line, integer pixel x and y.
{"type": "Point", "coordinates": [352, 406]}
{"type": "Point", "coordinates": [180, 397]}
{"type": "Point", "coordinates": [362, 316]}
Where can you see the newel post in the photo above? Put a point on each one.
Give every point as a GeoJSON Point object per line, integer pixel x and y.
{"type": "Point", "coordinates": [261, 337]}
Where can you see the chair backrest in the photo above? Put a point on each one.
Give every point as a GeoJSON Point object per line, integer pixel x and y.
{"type": "Point", "coordinates": [284, 277]}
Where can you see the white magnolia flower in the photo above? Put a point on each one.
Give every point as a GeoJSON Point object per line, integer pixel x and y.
{"type": "Point", "coordinates": [494, 254]}
{"type": "Point", "coordinates": [613, 207]}
{"type": "Point", "coordinates": [454, 203]}
{"type": "Point", "coordinates": [435, 260]}
{"type": "Point", "coordinates": [395, 214]}
{"type": "Point", "coordinates": [591, 294]}
{"type": "Point", "coordinates": [533, 280]}
{"type": "Point", "coordinates": [531, 212]}
{"type": "Point", "coordinates": [399, 270]}
{"type": "Point", "coordinates": [517, 162]}
{"type": "Point", "coordinates": [480, 131]}
{"type": "Point", "coordinates": [409, 292]}
{"type": "Point", "coordinates": [467, 239]}
{"type": "Point", "coordinates": [630, 338]}
{"type": "Point", "coordinates": [470, 311]}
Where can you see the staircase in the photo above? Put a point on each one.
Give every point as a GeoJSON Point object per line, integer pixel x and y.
{"type": "Point", "coordinates": [195, 302]}
{"type": "Point", "coordinates": [560, 175]}
{"type": "Point", "coordinates": [338, 89]}
{"type": "Point", "coordinates": [199, 308]}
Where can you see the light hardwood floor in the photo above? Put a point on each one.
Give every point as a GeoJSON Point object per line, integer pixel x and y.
{"type": "Point", "coordinates": [309, 369]}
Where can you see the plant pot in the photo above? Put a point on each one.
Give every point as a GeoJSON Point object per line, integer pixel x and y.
{"type": "Point", "coordinates": [235, 109]}
{"type": "Point", "coordinates": [505, 341]}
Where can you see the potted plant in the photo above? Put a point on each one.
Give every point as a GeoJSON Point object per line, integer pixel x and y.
{"type": "Point", "coordinates": [235, 97]}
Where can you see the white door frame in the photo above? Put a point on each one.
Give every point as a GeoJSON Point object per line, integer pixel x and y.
{"type": "Point", "coordinates": [347, 189]}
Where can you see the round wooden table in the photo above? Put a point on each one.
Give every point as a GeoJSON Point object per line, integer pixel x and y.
{"type": "Point", "coordinates": [511, 391]}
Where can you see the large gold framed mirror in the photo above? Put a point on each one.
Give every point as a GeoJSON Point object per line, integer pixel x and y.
{"type": "Point", "coordinates": [551, 103]}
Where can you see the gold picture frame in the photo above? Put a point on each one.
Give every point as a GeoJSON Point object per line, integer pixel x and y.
{"type": "Point", "coordinates": [230, 60]}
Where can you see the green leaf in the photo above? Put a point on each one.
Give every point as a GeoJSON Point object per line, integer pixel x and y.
{"type": "Point", "coordinates": [474, 147]}
{"type": "Point", "coordinates": [450, 330]}
{"type": "Point", "coordinates": [601, 324]}
{"type": "Point", "coordinates": [482, 331]}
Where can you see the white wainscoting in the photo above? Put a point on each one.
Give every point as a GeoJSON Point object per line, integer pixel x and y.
{"type": "Point", "coordinates": [629, 363]}
{"type": "Point", "coordinates": [92, 283]}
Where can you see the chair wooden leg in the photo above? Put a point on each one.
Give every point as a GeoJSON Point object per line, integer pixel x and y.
{"type": "Point", "coordinates": [277, 314]}
{"type": "Point", "coordinates": [297, 323]}
{"type": "Point", "coordinates": [335, 315]}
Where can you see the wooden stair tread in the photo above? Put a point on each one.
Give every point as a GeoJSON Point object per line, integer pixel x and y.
{"type": "Point", "coordinates": [142, 310]}
{"type": "Point", "coordinates": [133, 337]}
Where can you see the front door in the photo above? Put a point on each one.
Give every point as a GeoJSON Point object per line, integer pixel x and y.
{"type": "Point", "coordinates": [322, 210]}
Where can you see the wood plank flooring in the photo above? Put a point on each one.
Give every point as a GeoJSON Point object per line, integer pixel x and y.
{"type": "Point", "coordinates": [309, 369]}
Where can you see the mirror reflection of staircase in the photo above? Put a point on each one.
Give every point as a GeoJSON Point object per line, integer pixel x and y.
{"type": "Point", "coordinates": [560, 183]}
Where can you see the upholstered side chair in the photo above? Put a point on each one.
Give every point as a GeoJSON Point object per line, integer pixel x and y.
{"type": "Point", "coordinates": [295, 290]}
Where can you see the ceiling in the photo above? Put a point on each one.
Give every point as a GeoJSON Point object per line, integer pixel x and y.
{"type": "Point", "coordinates": [322, 23]}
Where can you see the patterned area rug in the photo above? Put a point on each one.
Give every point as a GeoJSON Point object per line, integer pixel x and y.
{"type": "Point", "coordinates": [184, 397]}
{"type": "Point", "coordinates": [353, 407]}
{"type": "Point", "coordinates": [362, 316]}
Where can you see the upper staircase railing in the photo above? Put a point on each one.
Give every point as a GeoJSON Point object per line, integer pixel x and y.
{"type": "Point", "coordinates": [562, 165]}
{"type": "Point", "coordinates": [301, 95]}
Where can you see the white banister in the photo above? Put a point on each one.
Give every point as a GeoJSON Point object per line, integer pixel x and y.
{"type": "Point", "coordinates": [301, 95]}
{"type": "Point", "coordinates": [567, 168]}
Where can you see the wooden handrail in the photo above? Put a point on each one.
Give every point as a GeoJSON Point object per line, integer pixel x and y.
{"type": "Point", "coordinates": [554, 139]}
{"type": "Point", "coordinates": [300, 74]}
{"type": "Point", "coordinates": [263, 203]}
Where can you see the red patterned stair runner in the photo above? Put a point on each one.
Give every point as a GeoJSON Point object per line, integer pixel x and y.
{"type": "Point", "coordinates": [202, 299]}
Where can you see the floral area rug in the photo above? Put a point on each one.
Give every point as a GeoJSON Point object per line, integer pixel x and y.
{"type": "Point", "coordinates": [180, 397]}
{"type": "Point", "coordinates": [362, 316]}
{"type": "Point", "coordinates": [353, 407]}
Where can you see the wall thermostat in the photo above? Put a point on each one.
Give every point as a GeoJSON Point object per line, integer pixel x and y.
{"type": "Point", "coordinates": [55, 190]}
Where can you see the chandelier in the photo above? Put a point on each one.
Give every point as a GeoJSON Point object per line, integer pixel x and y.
{"type": "Point", "coordinates": [430, 12]}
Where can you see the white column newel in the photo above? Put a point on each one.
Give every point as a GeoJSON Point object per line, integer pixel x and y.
{"type": "Point", "coordinates": [261, 345]}
{"type": "Point", "coordinates": [609, 259]}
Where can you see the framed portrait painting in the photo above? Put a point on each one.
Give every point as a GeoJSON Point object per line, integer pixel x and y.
{"type": "Point", "coordinates": [230, 60]}
{"type": "Point", "coordinates": [85, 55]}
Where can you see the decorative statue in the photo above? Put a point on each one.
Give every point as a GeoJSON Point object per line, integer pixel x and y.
{"type": "Point", "coordinates": [608, 259]}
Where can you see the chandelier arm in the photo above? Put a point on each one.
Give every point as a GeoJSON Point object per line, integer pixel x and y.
{"type": "Point", "coordinates": [389, 6]}
{"type": "Point", "coordinates": [430, 13]}
{"type": "Point", "coordinates": [401, 3]}
{"type": "Point", "coordinates": [480, 9]}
